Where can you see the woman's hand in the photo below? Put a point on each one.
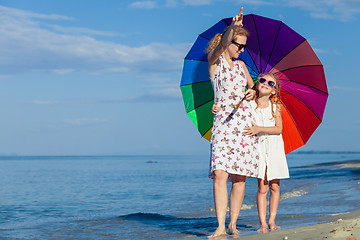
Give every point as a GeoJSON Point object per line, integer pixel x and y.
{"type": "Point", "coordinates": [252, 130]}
{"type": "Point", "coordinates": [238, 19]}
{"type": "Point", "coordinates": [215, 109]}
{"type": "Point", "coordinates": [250, 94]}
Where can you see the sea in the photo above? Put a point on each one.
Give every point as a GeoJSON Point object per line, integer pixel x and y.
{"type": "Point", "coordinates": [157, 197]}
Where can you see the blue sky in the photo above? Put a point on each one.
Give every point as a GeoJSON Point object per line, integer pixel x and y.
{"type": "Point", "coordinates": [102, 77]}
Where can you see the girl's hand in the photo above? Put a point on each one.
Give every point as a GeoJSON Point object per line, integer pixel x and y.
{"type": "Point", "coordinates": [252, 130]}
{"type": "Point", "coordinates": [238, 19]}
{"type": "Point", "coordinates": [250, 94]}
{"type": "Point", "coordinates": [215, 109]}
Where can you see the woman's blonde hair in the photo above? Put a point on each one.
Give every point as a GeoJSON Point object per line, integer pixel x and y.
{"type": "Point", "coordinates": [214, 42]}
{"type": "Point", "coordinates": [274, 98]}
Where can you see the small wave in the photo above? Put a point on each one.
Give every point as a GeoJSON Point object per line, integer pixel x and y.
{"type": "Point", "coordinates": [355, 162]}
{"type": "Point", "coordinates": [243, 207]}
{"type": "Point", "coordinates": [145, 216]}
{"type": "Point", "coordinates": [292, 194]}
{"type": "Point", "coordinates": [248, 206]}
{"type": "Point", "coordinates": [188, 226]}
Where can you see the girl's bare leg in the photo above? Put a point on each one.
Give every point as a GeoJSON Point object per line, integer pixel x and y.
{"type": "Point", "coordinates": [274, 203]}
{"type": "Point", "coordinates": [236, 199]}
{"type": "Point", "coordinates": [221, 201]}
{"type": "Point", "coordinates": [263, 189]}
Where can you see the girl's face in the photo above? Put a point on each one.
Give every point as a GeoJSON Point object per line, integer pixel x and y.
{"type": "Point", "coordinates": [265, 88]}
{"type": "Point", "coordinates": [237, 46]}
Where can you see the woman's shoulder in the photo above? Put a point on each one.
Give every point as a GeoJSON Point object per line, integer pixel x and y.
{"type": "Point", "coordinates": [241, 62]}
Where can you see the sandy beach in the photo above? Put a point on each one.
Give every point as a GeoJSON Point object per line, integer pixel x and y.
{"type": "Point", "coordinates": [345, 226]}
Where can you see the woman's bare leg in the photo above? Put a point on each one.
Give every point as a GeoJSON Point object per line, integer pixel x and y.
{"type": "Point", "coordinates": [236, 199]}
{"type": "Point", "coordinates": [274, 202]}
{"type": "Point", "coordinates": [221, 201]}
{"type": "Point", "coordinates": [263, 189]}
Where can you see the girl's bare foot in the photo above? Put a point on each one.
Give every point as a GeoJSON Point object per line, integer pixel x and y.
{"type": "Point", "coordinates": [273, 227]}
{"type": "Point", "coordinates": [263, 229]}
{"type": "Point", "coordinates": [218, 232]}
{"type": "Point", "coordinates": [232, 230]}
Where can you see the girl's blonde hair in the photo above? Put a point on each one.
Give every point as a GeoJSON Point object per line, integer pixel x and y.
{"type": "Point", "coordinates": [214, 42]}
{"type": "Point", "coordinates": [274, 98]}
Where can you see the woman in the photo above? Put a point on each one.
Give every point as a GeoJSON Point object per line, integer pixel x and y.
{"type": "Point", "coordinates": [233, 155]}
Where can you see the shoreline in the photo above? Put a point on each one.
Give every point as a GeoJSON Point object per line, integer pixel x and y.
{"type": "Point", "coordinates": [341, 226]}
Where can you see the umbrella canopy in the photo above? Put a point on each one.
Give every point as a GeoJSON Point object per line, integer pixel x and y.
{"type": "Point", "coordinates": [271, 47]}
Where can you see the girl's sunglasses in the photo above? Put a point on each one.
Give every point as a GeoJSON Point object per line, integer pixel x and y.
{"type": "Point", "coordinates": [240, 46]}
{"type": "Point", "coordinates": [269, 82]}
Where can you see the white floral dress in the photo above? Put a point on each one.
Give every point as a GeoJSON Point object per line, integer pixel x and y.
{"type": "Point", "coordinates": [231, 151]}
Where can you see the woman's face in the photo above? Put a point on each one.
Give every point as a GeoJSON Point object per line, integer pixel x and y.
{"type": "Point", "coordinates": [237, 46]}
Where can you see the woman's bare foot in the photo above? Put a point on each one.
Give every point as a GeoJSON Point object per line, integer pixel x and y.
{"type": "Point", "coordinates": [218, 232]}
{"type": "Point", "coordinates": [232, 230]}
{"type": "Point", "coordinates": [263, 229]}
{"type": "Point", "coordinates": [273, 227]}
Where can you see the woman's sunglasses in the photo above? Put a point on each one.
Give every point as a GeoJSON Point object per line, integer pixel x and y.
{"type": "Point", "coordinates": [240, 46]}
{"type": "Point", "coordinates": [269, 82]}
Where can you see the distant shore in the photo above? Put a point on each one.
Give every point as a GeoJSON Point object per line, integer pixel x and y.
{"type": "Point", "coordinates": [343, 226]}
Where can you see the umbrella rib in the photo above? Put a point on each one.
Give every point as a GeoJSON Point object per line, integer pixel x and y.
{"type": "Point", "coordinates": [293, 119]}
{"type": "Point", "coordinates": [194, 83]}
{"type": "Point", "coordinates": [309, 65]}
{"type": "Point", "coordinates": [282, 72]}
{"type": "Point", "coordinates": [196, 60]}
{"type": "Point", "coordinates": [200, 105]}
{"type": "Point", "coordinates": [255, 70]}
{"type": "Point", "coordinates": [205, 31]}
{"type": "Point", "coordinates": [287, 54]}
{"type": "Point", "coordinates": [272, 49]}
{"type": "Point", "coordinates": [303, 103]}
{"type": "Point", "coordinates": [288, 81]}
{"type": "Point", "coordinates": [257, 34]}
{"type": "Point", "coordinates": [208, 130]}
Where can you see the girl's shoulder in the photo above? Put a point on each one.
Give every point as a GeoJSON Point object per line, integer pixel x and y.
{"type": "Point", "coordinates": [253, 104]}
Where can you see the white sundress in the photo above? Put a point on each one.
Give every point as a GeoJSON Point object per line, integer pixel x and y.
{"type": "Point", "coordinates": [271, 146]}
{"type": "Point", "coordinates": [231, 151]}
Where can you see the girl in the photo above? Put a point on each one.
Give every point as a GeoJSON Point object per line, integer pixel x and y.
{"type": "Point", "coordinates": [272, 161]}
{"type": "Point", "coordinates": [232, 152]}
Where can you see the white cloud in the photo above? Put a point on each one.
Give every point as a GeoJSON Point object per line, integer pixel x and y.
{"type": "Point", "coordinates": [168, 3]}
{"type": "Point", "coordinates": [197, 2]}
{"type": "Point", "coordinates": [343, 10]}
{"type": "Point", "coordinates": [84, 121]}
{"type": "Point", "coordinates": [63, 71]}
{"type": "Point", "coordinates": [340, 88]}
{"type": "Point", "coordinates": [43, 102]}
{"type": "Point", "coordinates": [164, 95]}
{"type": "Point", "coordinates": [171, 3]}
{"type": "Point", "coordinates": [25, 14]}
{"type": "Point", "coordinates": [26, 46]}
{"type": "Point", "coordinates": [81, 31]}
{"type": "Point", "coordinates": [144, 4]}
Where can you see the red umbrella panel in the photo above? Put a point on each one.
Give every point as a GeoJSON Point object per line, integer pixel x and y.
{"type": "Point", "coordinates": [271, 47]}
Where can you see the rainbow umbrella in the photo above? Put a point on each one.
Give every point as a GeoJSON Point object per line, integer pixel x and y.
{"type": "Point", "coordinates": [271, 47]}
